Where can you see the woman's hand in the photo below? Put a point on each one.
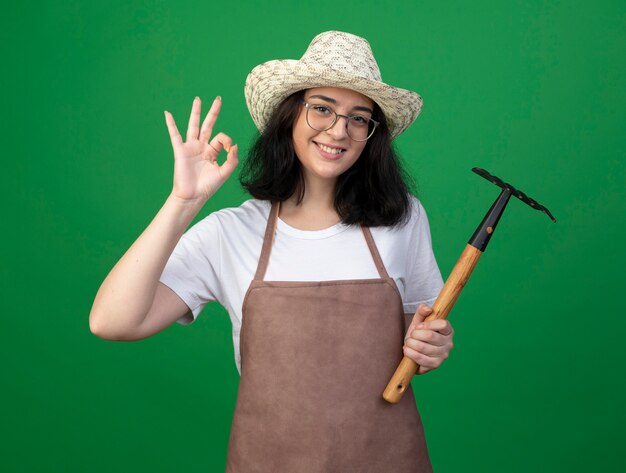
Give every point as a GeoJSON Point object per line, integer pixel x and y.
{"type": "Point", "coordinates": [197, 175]}
{"type": "Point", "coordinates": [428, 343]}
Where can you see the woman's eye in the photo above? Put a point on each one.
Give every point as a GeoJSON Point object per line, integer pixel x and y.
{"type": "Point", "coordinates": [359, 120]}
{"type": "Point", "coordinates": [321, 109]}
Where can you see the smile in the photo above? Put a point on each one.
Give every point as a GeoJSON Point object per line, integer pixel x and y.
{"type": "Point", "coordinates": [329, 149]}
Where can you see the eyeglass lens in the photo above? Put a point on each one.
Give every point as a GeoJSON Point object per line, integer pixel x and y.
{"type": "Point", "coordinates": [322, 117]}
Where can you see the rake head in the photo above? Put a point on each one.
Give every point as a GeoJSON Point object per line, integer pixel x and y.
{"type": "Point", "coordinates": [517, 193]}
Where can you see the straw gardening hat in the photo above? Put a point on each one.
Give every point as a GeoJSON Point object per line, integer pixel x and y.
{"type": "Point", "coordinates": [333, 59]}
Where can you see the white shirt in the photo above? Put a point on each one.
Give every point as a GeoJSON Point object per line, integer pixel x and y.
{"type": "Point", "coordinates": [216, 259]}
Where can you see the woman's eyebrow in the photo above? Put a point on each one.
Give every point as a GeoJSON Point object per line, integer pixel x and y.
{"type": "Point", "coordinates": [333, 101]}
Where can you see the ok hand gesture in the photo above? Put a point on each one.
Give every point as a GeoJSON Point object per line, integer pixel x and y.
{"type": "Point", "coordinates": [197, 174]}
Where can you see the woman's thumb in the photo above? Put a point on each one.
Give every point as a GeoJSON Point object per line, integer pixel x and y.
{"type": "Point", "coordinates": [423, 311]}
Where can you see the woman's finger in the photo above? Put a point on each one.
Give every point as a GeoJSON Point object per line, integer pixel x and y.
{"type": "Point", "coordinates": [426, 348]}
{"type": "Point", "coordinates": [209, 121]}
{"type": "Point", "coordinates": [194, 120]}
{"type": "Point", "coordinates": [232, 159]}
{"type": "Point", "coordinates": [221, 141]}
{"type": "Point", "coordinates": [429, 336]}
{"type": "Point", "coordinates": [173, 130]}
{"type": "Point", "coordinates": [424, 310]}
{"type": "Point", "coordinates": [425, 362]}
{"type": "Point", "coordinates": [440, 325]}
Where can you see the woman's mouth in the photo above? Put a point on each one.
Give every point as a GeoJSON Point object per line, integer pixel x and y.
{"type": "Point", "coordinates": [329, 152]}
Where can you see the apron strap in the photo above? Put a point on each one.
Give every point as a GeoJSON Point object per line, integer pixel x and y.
{"type": "Point", "coordinates": [270, 233]}
{"type": "Point", "coordinates": [371, 244]}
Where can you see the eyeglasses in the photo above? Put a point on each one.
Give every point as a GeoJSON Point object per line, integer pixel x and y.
{"type": "Point", "coordinates": [321, 118]}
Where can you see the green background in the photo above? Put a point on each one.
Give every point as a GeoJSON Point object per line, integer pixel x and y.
{"type": "Point", "coordinates": [533, 91]}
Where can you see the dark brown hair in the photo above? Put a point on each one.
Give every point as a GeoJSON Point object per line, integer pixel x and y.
{"type": "Point", "coordinates": [373, 192]}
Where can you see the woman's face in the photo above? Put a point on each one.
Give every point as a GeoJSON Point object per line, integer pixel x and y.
{"type": "Point", "coordinates": [328, 154]}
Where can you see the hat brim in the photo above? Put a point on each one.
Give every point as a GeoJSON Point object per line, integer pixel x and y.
{"type": "Point", "coordinates": [270, 83]}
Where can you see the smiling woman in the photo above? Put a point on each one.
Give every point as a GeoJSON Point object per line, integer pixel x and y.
{"type": "Point", "coordinates": [328, 153]}
{"type": "Point", "coordinates": [317, 270]}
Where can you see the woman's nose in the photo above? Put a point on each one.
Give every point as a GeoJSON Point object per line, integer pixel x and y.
{"type": "Point", "coordinates": [339, 130]}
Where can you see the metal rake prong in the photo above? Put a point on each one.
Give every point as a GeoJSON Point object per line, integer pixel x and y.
{"type": "Point", "coordinates": [517, 193]}
{"type": "Point", "coordinates": [460, 274]}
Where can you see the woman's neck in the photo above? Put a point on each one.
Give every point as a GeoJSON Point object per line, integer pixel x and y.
{"type": "Point", "coordinates": [316, 211]}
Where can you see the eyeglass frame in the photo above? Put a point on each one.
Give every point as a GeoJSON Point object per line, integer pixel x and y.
{"type": "Point", "coordinates": [337, 115]}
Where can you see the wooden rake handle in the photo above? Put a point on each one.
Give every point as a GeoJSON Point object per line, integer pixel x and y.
{"type": "Point", "coordinates": [401, 379]}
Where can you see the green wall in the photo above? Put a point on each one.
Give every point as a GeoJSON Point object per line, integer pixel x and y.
{"type": "Point", "coordinates": [533, 91]}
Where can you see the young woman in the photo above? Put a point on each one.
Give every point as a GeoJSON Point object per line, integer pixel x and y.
{"type": "Point", "coordinates": [316, 271]}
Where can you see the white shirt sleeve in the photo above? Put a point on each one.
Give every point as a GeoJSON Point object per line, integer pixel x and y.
{"type": "Point", "coordinates": [193, 270]}
{"type": "Point", "coordinates": [423, 278]}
